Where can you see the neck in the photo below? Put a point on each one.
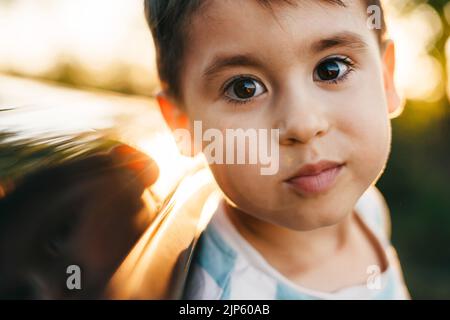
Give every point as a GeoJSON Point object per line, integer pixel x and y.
{"type": "Point", "coordinates": [304, 249]}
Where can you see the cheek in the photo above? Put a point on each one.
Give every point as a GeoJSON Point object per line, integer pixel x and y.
{"type": "Point", "coordinates": [368, 134]}
{"type": "Point", "coordinates": [245, 186]}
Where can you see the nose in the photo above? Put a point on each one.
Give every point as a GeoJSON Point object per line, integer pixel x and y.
{"type": "Point", "coordinates": [302, 116]}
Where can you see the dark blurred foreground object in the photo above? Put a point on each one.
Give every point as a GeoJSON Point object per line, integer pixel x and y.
{"type": "Point", "coordinates": [74, 203]}
{"type": "Point", "coordinates": [159, 263]}
{"type": "Point", "coordinates": [86, 212]}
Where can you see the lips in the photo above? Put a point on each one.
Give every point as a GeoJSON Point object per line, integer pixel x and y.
{"type": "Point", "coordinates": [316, 178]}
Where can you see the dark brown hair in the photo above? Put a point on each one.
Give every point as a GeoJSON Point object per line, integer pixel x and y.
{"type": "Point", "coordinates": [168, 19]}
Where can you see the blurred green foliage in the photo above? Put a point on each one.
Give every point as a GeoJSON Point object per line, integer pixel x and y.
{"type": "Point", "coordinates": [20, 156]}
{"type": "Point", "coordinates": [416, 186]}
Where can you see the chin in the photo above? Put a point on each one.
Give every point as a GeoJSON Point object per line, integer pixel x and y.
{"type": "Point", "coordinates": [315, 220]}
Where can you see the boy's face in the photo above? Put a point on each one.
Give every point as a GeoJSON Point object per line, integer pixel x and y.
{"type": "Point", "coordinates": [315, 72]}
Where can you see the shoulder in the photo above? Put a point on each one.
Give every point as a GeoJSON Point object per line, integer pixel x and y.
{"type": "Point", "coordinates": [212, 266]}
{"type": "Point", "coordinates": [373, 209]}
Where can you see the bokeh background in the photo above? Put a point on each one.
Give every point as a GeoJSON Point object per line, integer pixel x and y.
{"type": "Point", "coordinates": [71, 67]}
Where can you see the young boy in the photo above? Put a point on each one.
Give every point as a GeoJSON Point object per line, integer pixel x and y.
{"type": "Point", "coordinates": [316, 72]}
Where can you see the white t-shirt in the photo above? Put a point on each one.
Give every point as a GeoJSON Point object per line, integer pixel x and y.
{"type": "Point", "coordinates": [226, 266]}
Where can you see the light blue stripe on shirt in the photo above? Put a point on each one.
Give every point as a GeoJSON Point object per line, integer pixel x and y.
{"type": "Point", "coordinates": [225, 266]}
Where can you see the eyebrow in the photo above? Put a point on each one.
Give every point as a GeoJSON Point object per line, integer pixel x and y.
{"type": "Point", "coordinates": [223, 62]}
{"type": "Point", "coordinates": [345, 39]}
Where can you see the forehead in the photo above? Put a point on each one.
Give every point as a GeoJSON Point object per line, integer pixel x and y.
{"type": "Point", "coordinates": [236, 27]}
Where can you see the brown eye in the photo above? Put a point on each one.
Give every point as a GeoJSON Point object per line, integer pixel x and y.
{"type": "Point", "coordinates": [332, 69]}
{"type": "Point", "coordinates": [244, 89]}
{"type": "Point", "coordinates": [328, 70]}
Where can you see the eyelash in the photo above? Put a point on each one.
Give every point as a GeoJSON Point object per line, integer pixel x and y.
{"type": "Point", "coordinates": [233, 80]}
{"type": "Point", "coordinates": [344, 59]}
{"type": "Point", "coordinates": [237, 102]}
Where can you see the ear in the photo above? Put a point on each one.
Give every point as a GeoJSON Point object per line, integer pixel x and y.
{"type": "Point", "coordinates": [178, 121]}
{"type": "Point", "coordinates": [395, 104]}
{"type": "Point", "coordinates": [172, 113]}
